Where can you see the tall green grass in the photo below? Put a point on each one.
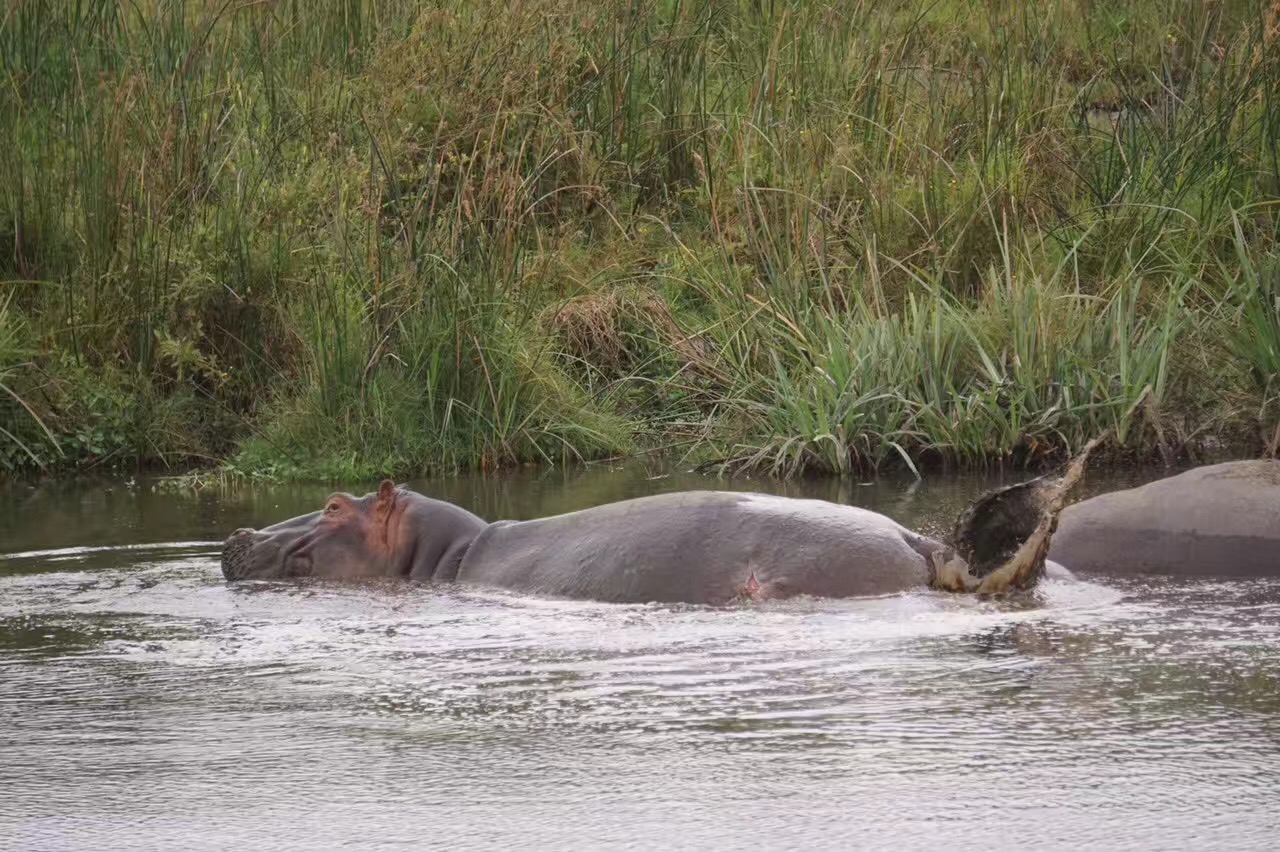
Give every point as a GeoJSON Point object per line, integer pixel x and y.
{"type": "Point", "coordinates": [332, 240]}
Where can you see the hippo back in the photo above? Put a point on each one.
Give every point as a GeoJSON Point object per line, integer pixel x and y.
{"type": "Point", "coordinates": [700, 547]}
{"type": "Point", "coordinates": [1216, 521]}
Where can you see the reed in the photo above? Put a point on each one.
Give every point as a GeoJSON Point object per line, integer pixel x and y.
{"type": "Point", "coordinates": [332, 240]}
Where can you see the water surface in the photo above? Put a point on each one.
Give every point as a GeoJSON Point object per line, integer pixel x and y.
{"type": "Point", "coordinates": [147, 704]}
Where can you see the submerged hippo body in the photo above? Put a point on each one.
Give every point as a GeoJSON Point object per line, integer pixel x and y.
{"type": "Point", "coordinates": [1220, 520]}
{"type": "Point", "coordinates": [687, 547]}
{"type": "Point", "coordinates": [702, 547]}
{"type": "Point", "coordinates": [692, 547]}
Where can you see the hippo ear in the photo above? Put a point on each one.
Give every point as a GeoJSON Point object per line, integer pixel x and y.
{"type": "Point", "coordinates": [386, 495]}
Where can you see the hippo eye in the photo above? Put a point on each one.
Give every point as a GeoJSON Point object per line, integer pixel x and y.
{"type": "Point", "coordinates": [332, 508]}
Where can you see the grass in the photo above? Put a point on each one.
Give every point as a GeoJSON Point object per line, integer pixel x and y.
{"type": "Point", "coordinates": [340, 240]}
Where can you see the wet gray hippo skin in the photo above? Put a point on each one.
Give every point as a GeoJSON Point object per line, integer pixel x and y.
{"type": "Point", "coordinates": [692, 547]}
{"type": "Point", "coordinates": [702, 547]}
{"type": "Point", "coordinates": [1215, 521]}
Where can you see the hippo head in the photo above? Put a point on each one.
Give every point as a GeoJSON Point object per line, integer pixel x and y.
{"type": "Point", "coordinates": [1001, 541]}
{"type": "Point", "coordinates": [389, 533]}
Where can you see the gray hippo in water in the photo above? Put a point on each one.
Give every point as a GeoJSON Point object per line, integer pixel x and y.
{"type": "Point", "coordinates": [704, 547]}
{"type": "Point", "coordinates": [1219, 520]}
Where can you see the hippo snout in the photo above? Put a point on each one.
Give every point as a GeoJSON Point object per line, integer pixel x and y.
{"type": "Point", "coordinates": [235, 551]}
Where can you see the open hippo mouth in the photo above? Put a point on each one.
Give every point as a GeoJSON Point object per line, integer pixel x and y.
{"type": "Point", "coordinates": [248, 553]}
{"type": "Point", "coordinates": [1001, 541]}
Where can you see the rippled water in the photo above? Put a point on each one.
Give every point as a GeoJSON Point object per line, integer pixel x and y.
{"type": "Point", "coordinates": [147, 704]}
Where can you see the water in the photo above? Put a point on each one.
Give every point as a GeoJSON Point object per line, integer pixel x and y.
{"type": "Point", "coordinates": [146, 704]}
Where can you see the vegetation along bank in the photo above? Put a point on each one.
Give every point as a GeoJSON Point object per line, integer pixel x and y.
{"type": "Point", "coordinates": [338, 240]}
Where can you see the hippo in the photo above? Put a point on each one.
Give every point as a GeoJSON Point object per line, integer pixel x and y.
{"type": "Point", "coordinates": [1220, 520]}
{"type": "Point", "coordinates": [696, 547]}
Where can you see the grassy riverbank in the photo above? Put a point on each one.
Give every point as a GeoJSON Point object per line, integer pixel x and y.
{"type": "Point", "coordinates": [342, 239]}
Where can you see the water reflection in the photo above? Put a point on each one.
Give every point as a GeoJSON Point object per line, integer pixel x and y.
{"type": "Point", "coordinates": [148, 704]}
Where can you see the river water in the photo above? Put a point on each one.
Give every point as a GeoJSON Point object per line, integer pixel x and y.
{"type": "Point", "coordinates": [147, 704]}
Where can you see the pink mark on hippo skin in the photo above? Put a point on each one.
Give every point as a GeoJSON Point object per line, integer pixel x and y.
{"type": "Point", "coordinates": [770, 590]}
